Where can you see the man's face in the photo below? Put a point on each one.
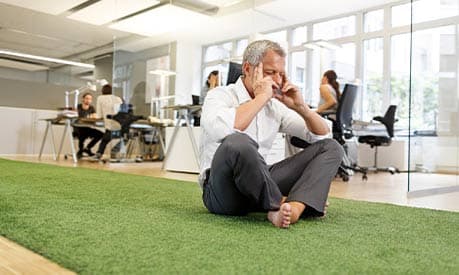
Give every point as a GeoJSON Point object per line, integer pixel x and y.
{"type": "Point", "coordinates": [273, 66]}
{"type": "Point", "coordinates": [87, 100]}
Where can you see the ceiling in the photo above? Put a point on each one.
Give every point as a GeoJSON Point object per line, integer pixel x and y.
{"type": "Point", "coordinates": [44, 27]}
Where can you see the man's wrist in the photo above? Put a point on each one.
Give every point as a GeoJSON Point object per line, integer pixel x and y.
{"type": "Point", "coordinates": [304, 111]}
{"type": "Point", "coordinates": [262, 96]}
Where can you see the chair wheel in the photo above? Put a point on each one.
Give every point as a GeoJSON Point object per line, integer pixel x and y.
{"type": "Point", "coordinates": [345, 178]}
{"type": "Point", "coordinates": [364, 177]}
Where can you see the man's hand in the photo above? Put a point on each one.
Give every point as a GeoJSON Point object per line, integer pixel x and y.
{"type": "Point", "coordinates": [262, 86]}
{"type": "Point", "coordinates": [291, 96]}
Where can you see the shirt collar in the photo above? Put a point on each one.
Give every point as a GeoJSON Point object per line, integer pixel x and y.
{"type": "Point", "coordinates": [241, 92]}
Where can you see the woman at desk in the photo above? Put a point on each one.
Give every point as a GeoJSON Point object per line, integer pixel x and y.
{"type": "Point", "coordinates": [86, 110]}
{"type": "Point", "coordinates": [329, 93]}
{"type": "Point", "coordinates": [107, 104]}
{"type": "Point", "coordinates": [211, 82]}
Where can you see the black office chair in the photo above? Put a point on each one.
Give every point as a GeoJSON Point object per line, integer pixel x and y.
{"type": "Point", "coordinates": [342, 130]}
{"type": "Point", "coordinates": [120, 129]}
{"type": "Point", "coordinates": [382, 140]}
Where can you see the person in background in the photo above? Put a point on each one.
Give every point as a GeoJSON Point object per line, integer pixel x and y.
{"type": "Point", "coordinates": [211, 82]}
{"type": "Point", "coordinates": [86, 110]}
{"type": "Point", "coordinates": [107, 104]}
{"type": "Point", "coordinates": [329, 93]}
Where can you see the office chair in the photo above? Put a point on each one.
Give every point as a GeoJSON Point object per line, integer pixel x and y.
{"type": "Point", "coordinates": [382, 140]}
{"type": "Point", "coordinates": [342, 130]}
{"type": "Point", "coordinates": [119, 125]}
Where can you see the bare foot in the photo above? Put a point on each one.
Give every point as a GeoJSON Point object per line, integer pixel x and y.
{"type": "Point", "coordinates": [281, 218]}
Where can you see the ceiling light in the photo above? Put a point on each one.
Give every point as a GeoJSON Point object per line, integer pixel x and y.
{"type": "Point", "coordinates": [311, 46]}
{"type": "Point", "coordinates": [48, 59]}
{"type": "Point", "coordinates": [328, 45]}
{"type": "Point", "coordinates": [318, 44]}
{"type": "Point", "coordinates": [162, 72]}
{"type": "Point", "coordinates": [21, 65]}
{"type": "Point", "coordinates": [47, 6]}
{"type": "Point", "coordinates": [106, 11]}
{"type": "Point", "coordinates": [159, 20]}
{"type": "Point", "coordinates": [222, 3]}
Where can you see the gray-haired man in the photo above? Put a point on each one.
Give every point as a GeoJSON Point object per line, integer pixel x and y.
{"type": "Point", "coordinates": [239, 124]}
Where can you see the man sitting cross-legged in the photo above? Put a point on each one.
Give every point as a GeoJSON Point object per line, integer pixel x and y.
{"type": "Point", "coordinates": [239, 124]}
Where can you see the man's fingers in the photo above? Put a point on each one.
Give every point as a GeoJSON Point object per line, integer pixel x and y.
{"type": "Point", "coordinates": [260, 70]}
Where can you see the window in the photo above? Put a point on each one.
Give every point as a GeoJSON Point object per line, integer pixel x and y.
{"type": "Point", "coordinates": [372, 94]}
{"type": "Point", "coordinates": [334, 28]}
{"type": "Point", "coordinates": [299, 36]}
{"type": "Point", "coordinates": [341, 60]}
{"type": "Point", "coordinates": [424, 10]}
{"type": "Point", "coordinates": [218, 52]}
{"type": "Point", "coordinates": [279, 37]}
{"type": "Point", "coordinates": [373, 21]}
{"type": "Point", "coordinates": [240, 46]}
{"type": "Point", "coordinates": [434, 78]}
{"type": "Point", "coordinates": [400, 74]}
{"type": "Point", "coordinates": [298, 70]}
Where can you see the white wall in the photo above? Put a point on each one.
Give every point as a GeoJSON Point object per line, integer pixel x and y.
{"type": "Point", "coordinates": [23, 131]}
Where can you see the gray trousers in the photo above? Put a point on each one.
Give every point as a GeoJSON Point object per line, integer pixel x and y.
{"type": "Point", "coordinates": [239, 181]}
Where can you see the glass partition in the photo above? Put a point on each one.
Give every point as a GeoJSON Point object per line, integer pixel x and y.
{"type": "Point", "coordinates": [433, 102]}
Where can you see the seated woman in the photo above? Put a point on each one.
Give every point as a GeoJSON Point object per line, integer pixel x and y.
{"type": "Point", "coordinates": [329, 93]}
{"type": "Point", "coordinates": [86, 110]}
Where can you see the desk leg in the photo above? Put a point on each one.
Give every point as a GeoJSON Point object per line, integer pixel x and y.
{"type": "Point", "coordinates": [169, 146]}
{"type": "Point", "coordinates": [67, 131]}
{"type": "Point", "coordinates": [193, 141]}
{"type": "Point", "coordinates": [48, 123]}
{"type": "Point", "coordinates": [62, 142]}
{"type": "Point", "coordinates": [70, 136]}
{"type": "Point", "coordinates": [161, 141]}
{"type": "Point", "coordinates": [52, 140]}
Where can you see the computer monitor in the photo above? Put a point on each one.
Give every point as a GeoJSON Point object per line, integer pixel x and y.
{"type": "Point", "coordinates": [234, 72]}
{"type": "Point", "coordinates": [195, 99]}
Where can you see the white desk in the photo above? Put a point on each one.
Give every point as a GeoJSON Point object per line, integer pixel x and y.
{"type": "Point", "coordinates": [184, 114]}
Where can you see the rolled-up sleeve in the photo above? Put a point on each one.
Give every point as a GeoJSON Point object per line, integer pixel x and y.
{"type": "Point", "coordinates": [218, 115]}
{"type": "Point", "coordinates": [293, 124]}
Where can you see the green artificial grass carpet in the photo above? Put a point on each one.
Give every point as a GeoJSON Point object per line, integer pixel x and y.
{"type": "Point", "coordinates": [98, 222]}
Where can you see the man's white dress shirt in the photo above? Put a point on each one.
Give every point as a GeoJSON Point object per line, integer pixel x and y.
{"type": "Point", "coordinates": [219, 113]}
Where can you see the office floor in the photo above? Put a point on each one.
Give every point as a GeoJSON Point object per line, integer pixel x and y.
{"type": "Point", "coordinates": [379, 188]}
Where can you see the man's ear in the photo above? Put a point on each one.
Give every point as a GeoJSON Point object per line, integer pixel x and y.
{"type": "Point", "coordinates": [245, 69]}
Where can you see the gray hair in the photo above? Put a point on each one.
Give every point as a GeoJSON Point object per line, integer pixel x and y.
{"type": "Point", "coordinates": [256, 50]}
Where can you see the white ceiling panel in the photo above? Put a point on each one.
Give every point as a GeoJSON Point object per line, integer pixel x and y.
{"type": "Point", "coordinates": [47, 6]}
{"type": "Point", "coordinates": [21, 65]}
{"type": "Point", "coordinates": [163, 19]}
{"type": "Point", "coordinates": [105, 11]}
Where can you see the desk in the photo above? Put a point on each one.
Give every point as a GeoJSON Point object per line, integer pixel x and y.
{"type": "Point", "coordinates": [142, 126]}
{"type": "Point", "coordinates": [67, 123]}
{"type": "Point", "coordinates": [184, 114]}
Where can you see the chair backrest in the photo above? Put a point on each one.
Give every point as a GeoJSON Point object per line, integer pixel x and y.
{"type": "Point", "coordinates": [345, 107]}
{"type": "Point", "coordinates": [389, 119]}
